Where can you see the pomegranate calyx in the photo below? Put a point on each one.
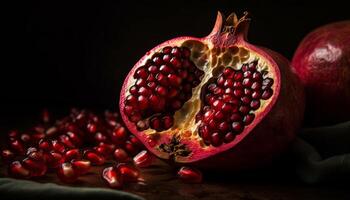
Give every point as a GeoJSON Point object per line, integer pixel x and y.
{"type": "Point", "coordinates": [233, 28]}
{"type": "Point", "coordinates": [175, 148]}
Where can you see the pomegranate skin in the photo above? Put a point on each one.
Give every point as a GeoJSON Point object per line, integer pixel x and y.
{"type": "Point", "coordinates": [273, 128]}
{"type": "Point", "coordinates": [322, 61]}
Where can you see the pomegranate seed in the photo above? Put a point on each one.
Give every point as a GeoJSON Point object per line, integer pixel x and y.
{"type": "Point", "coordinates": [130, 148]}
{"type": "Point", "coordinates": [17, 170]}
{"type": "Point", "coordinates": [220, 81]}
{"type": "Point", "coordinates": [162, 91]}
{"type": "Point", "coordinates": [143, 159]}
{"type": "Point", "coordinates": [74, 138]}
{"type": "Point", "coordinates": [37, 137]}
{"type": "Point", "coordinates": [162, 79]}
{"type": "Point", "coordinates": [219, 116]}
{"type": "Point", "coordinates": [257, 76]}
{"type": "Point", "coordinates": [13, 134]}
{"type": "Point", "coordinates": [247, 74]}
{"type": "Point", "coordinates": [238, 76]}
{"type": "Point", "coordinates": [167, 58]}
{"type": "Point", "coordinates": [100, 137]}
{"type": "Point", "coordinates": [245, 100]}
{"type": "Point", "coordinates": [166, 50]}
{"type": "Point", "coordinates": [72, 154]}
{"type": "Point", "coordinates": [65, 140]}
{"type": "Point", "coordinates": [141, 73]}
{"type": "Point", "coordinates": [267, 82]}
{"type": "Point", "coordinates": [237, 127]}
{"type": "Point", "coordinates": [36, 156]}
{"type": "Point", "coordinates": [66, 173]}
{"type": "Point", "coordinates": [36, 168]}
{"type": "Point", "coordinates": [256, 86]}
{"type": "Point", "coordinates": [112, 177]}
{"type": "Point", "coordinates": [176, 51]}
{"type": "Point", "coordinates": [130, 100]}
{"type": "Point", "coordinates": [173, 93]}
{"type": "Point", "coordinates": [91, 127]}
{"type": "Point", "coordinates": [120, 155]}
{"type": "Point", "coordinates": [224, 126]}
{"type": "Point", "coordinates": [244, 109]}
{"type": "Point", "coordinates": [94, 157]}
{"type": "Point", "coordinates": [255, 104]}
{"type": "Point", "coordinates": [140, 82]}
{"type": "Point", "coordinates": [266, 94]}
{"type": "Point", "coordinates": [256, 95]}
{"type": "Point", "coordinates": [155, 123]}
{"type": "Point", "coordinates": [175, 62]}
{"type": "Point", "coordinates": [228, 83]}
{"type": "Point", "coordinates": [144, 91]}
{"type": "Point", "coordinates": [229, 137]}
{"type": "Point", "coordinates": [81, 166]}
{"type": "Point", "coordinates": [45, 116]}
{"type": "Point", "coordinates": [128, 172]}
{"type": "Point", "coordinates": [248, 119]}
{"type": "Point", "coordinates": [238, 93]}
{"type": "Point", "coordinates": [133, 90]}
{"type": "Point", "coordinates": [245, 67]}
{"type": "Point", "coordinates": [168, 122]}
{"type": "Point", "coordinates": [165, 69]}
{"type": "Point", "coordinates": [174, 80]}
{"type": "Point", "coordinates": [142, 102]}
{"type": "Point", "coordinates": [45, 145]}
{"type": "Point", "coordinates": [53, 159]}
{"type": "Point", "coordinates": [247, 82]}
{"type": "Point", "coordinates": [228, 73]}
{"type": "Point", "coordinates": [189, 175]}
{"type": "Point", "coordinates": [119, 135]}
{"type": "Point", "coordinates": [58, 146]}
{"type": "Point", "coordinates": [235, 117]}
{"type": "Point", "coordinates": [17, 147]}
{"type": "Point", "coordinates": [25, 138]}
{"type": "Point", "coordinates": [216, 139]}
{"type": "Point", "coordinates": [30, 150]}
{"type": "Point", "coordinates": [157, 60]}
{"type": "Point", "coordinates": [152, 85]}
{"type": "Point", "coordinates": [7, 155]}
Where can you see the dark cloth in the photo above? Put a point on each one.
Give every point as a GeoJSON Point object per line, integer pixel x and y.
{"type": "Point", "coordinates": [23, 189]}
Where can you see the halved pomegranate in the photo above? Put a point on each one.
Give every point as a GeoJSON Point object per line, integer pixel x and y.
{"type": "Point", "coordinates": [215, 102]}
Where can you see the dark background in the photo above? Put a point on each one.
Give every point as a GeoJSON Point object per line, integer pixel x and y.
{"type": "Point", "coordinates": [60, 54]}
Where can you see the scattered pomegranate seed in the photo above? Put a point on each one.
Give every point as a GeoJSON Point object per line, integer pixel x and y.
{"type": "Point", "coordinates": [17, 170]}
{"type": "Point", "coordinates": [94, 157]}
{"type": "Point", "coordinates": [190, 175]}
{"type": "Point", "coordinates": [81, 166]}
{"type": "Point", "coordinates": [112, 177]}
{"type": "Point", "coordinates": [143, 159]}
{"type": "Point", "coordinates": [120, 155]}
{"type": "Point", "coordinates": [37, 168]}
{"type": "Point", "coordinates": [66, 173]}
{"type": "Point", "coordinates": [7, 155]}
{"type": "Point", "coordinates": [128, 172]}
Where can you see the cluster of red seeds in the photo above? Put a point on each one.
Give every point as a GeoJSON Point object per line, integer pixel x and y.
{"type": "Point", "coordinates": [230, 102]}
{"type": "Point", "coordinates": [162, 86]}
{"type": "Point", "coordinates": [71, 145]}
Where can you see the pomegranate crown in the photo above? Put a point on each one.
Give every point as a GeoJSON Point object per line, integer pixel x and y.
{"type": "Point", "coordinates": [233, 27]}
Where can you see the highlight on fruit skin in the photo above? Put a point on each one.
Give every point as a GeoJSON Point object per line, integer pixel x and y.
{"type": "Point", "coordinates": [322, 62]}
{"type": "Point", "coordinates": [213, 102]}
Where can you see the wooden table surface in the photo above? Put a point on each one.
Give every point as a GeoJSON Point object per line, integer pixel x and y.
{"type": "Point", "coordinates": [277, 183]}
{"type": "Point", "coordinates": [160, 183]}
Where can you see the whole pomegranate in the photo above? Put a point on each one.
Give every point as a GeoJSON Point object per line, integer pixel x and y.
{"type": "Point", "coordinates": [213, 102]}
{"type": "Point", "coordinates": [322, 61]}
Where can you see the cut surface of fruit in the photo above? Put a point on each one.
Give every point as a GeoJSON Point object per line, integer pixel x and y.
{"type": "Point", "coordinates": [191, 98]}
